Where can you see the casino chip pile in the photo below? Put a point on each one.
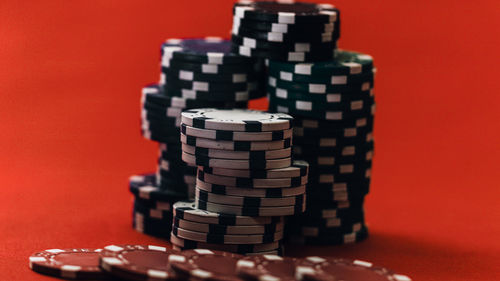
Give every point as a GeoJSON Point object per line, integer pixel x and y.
{"type": "Point", "coordinates": [333, 106]}
{"type": "Point", "coordinates": [194, 73]}
{"type": "Point", "coordinates": [150, 262]}
{"type": "Point", "coordinates": [285, 31]}
{"type": "Point", "coordinates": [246, 181]}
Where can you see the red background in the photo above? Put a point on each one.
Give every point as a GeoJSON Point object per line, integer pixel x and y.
{"type": "Point", "coordinates": [70, 79]}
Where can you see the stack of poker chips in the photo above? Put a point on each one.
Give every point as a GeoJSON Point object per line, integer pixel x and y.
{"type": "Point", "coordinates": [195, 73]}
{"type": "Point", "coordinates": [285, 30]}
{"type": "Point", "coordinates": [246, 181]}
{"type": "Point", "coordinates": [333, 108]}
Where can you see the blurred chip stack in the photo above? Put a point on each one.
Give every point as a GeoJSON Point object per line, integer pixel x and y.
{"type": "Point", "coordinates": [194, 73]}
{"type": "Point", "coordinates": [329, 94]}
{"type": "Point", "coordinates": [246, 181]}
{"type": "Point", "coordinates": [285, 30]}
{"type": "Point", "coordinates": [333, 108]}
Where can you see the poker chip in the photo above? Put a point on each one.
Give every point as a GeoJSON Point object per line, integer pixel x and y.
{"type": "Point", "coordinates": [209, 50]}
{"type": "Point", "coordinates": [297, 169]}
{"type": "Point", "coordinates": [210, 87]}
{"type": "Point", "coordinates": [284, 27]}
{"type": "Point", "coordinates": [235, 163]}
{"type": "Point", "coordinates": [251, 192]}
{"type": "Point", "coordinates": [228, 154]}
{"type": "Point", "coordinates": [144, 186]}
{"type": "Point", "coordinates": [222, 135]}
{"type": "Point", "coordinates": [251, 211]}
{"type": "Point", "coordinates": [283, 56]}
{"type": "Point", "coordinates": [252, 43]}
{"type": "Point", "coordinates": [283, 37]}
{"type": "Point", "coordinates": [137, 262]}
{"type": "Point", "coordinates": [251, 182]}
{"type": "Point", "coordinates": [235, 96]}
{"type": "Point", "coordinates": [287, 12]}
{"type": "Point", "coordinates": [324, 79]}
{"type": "Point", "coordinates": [236, 145]}
{"type": "Point", "coordinates": [330, 239]}
{"type": "Point", "coordinates": [226, 238]}
{"type": "Point", "coordinates": [243, 249]}
{"type": "Point", "coordinates": [249, 201]}
{"type": "Point", "coordinates": [206, 68]}
{"type": "Point", "coordinates": [187, 210]}
{"type": "Point", "coordinates": [268, 267]}
{"type": "Point", "coordinates": [265, 229]}
{"type": "Point", "coordinates": [321, 88]}
{"type": "Point", "coordinates": [68, 263]}
{"type": "Point", "coordinates": [236, 120]}
{"type": "Point", "coordinates": [204, 264]}
{"type": "Point", "coordinates": [316, 268]}
{"type": "Point", "coordinates": [345, 63]}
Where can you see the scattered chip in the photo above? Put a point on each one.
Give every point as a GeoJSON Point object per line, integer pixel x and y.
{"type": "Point", "coordinates": [68, 263]}
{"type": "Point", "coordinates": [137, 262]}
{"type": "Point", "coordinates": [204, 264]}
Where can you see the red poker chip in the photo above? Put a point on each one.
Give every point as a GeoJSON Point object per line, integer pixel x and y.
{"type": "Point", "coordinates": [206, 265]}
{"type": "Point", "coordinates": [266, 267]}
{"type": "Point", "coordinates": [333, 269]}
{"type": "Point", "coordinates": [68, 263]}
{"type": "Point", "coordinates": [137, 262]}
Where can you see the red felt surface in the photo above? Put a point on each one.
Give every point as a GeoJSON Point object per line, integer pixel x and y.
{"type": "Point", "coordinates": [70, 79]}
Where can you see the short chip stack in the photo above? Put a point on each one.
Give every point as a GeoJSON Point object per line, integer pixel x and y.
{"type": "Point", "coordinates": [246, 180]}
{"type": "Point", "coordinates": [195, 73]}
{"type": "Point", "coordinates": [333, 107]}
{"type": "Point", "coordinates": [285, 30]}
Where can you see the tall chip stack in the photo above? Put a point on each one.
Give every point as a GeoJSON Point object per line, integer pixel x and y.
{"type": "Point", "coordinates": [329, 94]}
{"type": "Point", "coordinates": [246, 181]}
{"type": "Point", "coordinates": [194, 73]}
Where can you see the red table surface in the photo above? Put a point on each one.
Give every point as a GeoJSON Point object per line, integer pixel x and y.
{"type": "Point", "coordinates": [70, 80]}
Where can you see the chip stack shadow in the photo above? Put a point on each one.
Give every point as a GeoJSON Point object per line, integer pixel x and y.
{"type": "Point", "coordinates": [194, 73]}
{"type": "Point", "coordinates": [246, 181]}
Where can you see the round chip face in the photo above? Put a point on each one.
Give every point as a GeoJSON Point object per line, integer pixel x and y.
{"type": "Point", "coordinates": [332, 269]}
{"type": "Point", "coordinates": [236, 120]}
{"type": "Point", "coordinates": [204, 264]}
{"type": "Point", "coordinates": [270, 267]}
{"type": "Point", "coordinates": [211, 50]}
{"type": "Point", "coordinates": [68, 263]}
{"type": "Point", "coordinates": [137, 262]}
{"type": "Point", "coordinates": [285, 11]}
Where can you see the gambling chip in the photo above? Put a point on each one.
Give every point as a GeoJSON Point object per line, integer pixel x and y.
{"type": "Point", "coordinates": [137, 262]}
{"type": "Point", "coordinates": [210, 50]}
{"type": "Point", "coordinates": [204, 264]}
{"type": "Point", "coordinates": [331, 269]}
{"type": "Point", "coordinates": [243, 249]}
{"type": "Point", "coordinates": [68, 263]}
{"type": "Point", "coordinates": [267, 267]}
{"type": "Point", "coordinates": [236, 120]}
